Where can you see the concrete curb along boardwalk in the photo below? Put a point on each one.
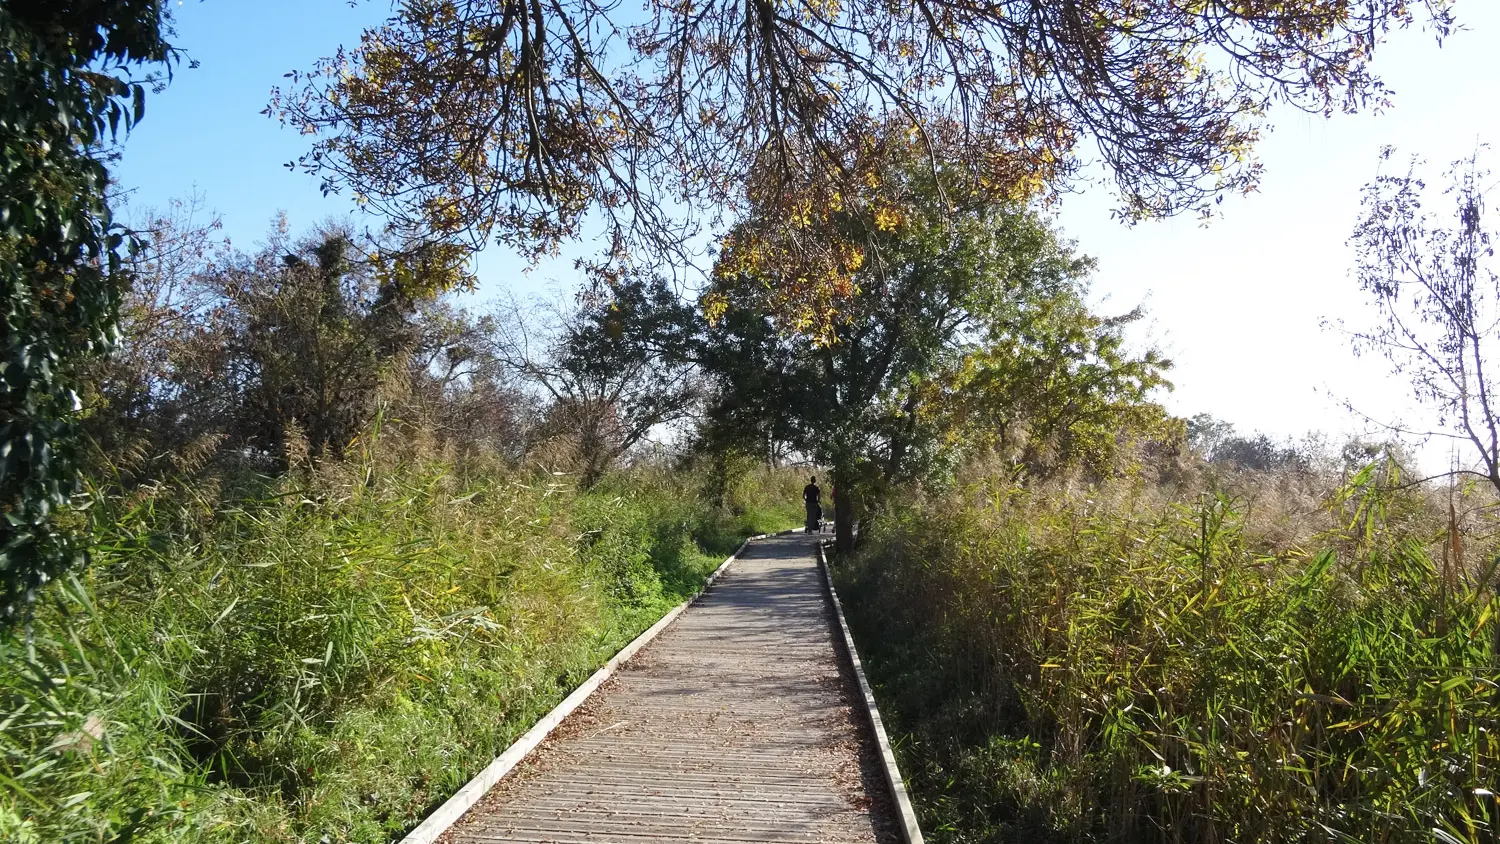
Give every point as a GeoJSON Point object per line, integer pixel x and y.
{"type": "Point", "coordinates": [738, 723]}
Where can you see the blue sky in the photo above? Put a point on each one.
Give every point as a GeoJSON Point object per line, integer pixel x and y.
{"type": "Point", "coordinates": [1238, 304]}
{"type": "Point", "coordinates": [206, 132]}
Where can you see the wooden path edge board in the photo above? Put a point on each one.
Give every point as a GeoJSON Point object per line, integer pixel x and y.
{"type": "Point", "coordinates": [906, 819]}
{"type": "Point", "coordinates": [444, 816]}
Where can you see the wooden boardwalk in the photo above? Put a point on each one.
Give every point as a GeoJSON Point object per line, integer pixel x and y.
{"type": "Point", "coordinates": [737, 724]}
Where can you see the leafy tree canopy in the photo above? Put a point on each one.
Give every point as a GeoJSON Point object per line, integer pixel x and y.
{"type": "Point", "coordinates": [615, 368]}
{"type": "Point", "coordinates": [959, 334]}
{"type": "Point", "coordinates": [480, 118]}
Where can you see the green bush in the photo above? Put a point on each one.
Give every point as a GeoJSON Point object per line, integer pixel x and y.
{"type": "Point", "coordinates": [1063, 668]}
{"type": "Point", "coordinates": [74, 75]}
{"type": "Point", "coordinates": [327, 656]}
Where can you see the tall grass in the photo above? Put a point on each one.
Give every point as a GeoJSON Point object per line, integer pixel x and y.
{"type": "Point", "coordinates": [1087, 667]}
{"type": "Point", "coordinates": [326, 657]}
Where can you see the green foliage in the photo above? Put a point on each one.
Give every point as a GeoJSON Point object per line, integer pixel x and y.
{"type": "Point", "coordinates": [299, 340]}
{"type": "Point", "coordinates": [1055, 385]}
{"type": "Point", "coordinates": [66, 94]}
{"type": "Point", "coordinates": [1081, 668]}
{"type": "Point", "coordinates": [967, 330]}
{"type": "Point", "coordinates": [616, 368]}
{"type": "Point", "coordinates": [283, 355]}
{"type": "Point", "coordinates": [327, 655]}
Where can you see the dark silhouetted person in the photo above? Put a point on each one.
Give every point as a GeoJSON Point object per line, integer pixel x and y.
{"type": "Point", "coordinates": [811, 498]}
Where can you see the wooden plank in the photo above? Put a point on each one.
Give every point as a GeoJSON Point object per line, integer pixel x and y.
{"type": "Point", "coordinates": [435, 824]}
{"type": "Point", "coordinates": [736, 724]}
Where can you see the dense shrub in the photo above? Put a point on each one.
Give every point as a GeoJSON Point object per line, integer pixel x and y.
{"type": "Point", "coordinates": [73, 74]}
{"type": "Point", "coordinates": [1089, 667]}
{"type": "Point", "coordinates": [328, 655]}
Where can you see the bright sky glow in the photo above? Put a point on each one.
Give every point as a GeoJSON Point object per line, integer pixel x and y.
{"type": "Point", "coordinates": [1238, 304]}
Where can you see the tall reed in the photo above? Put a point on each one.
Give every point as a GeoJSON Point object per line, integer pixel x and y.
{"type": "Point", "coordinates": [328, 655]}
{"type": "Point", "coordinates": [1079, 668]}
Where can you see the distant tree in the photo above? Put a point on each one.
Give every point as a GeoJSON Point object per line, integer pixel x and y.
{"type": "Point", "coordinates": [459, 387]}
{"type": "Point", "coordinates": [67, 86]}
{"type": "Point", "coordinates": [967, 327]}
{"type": "Point", "coordinates": [1430, 277]}
{"type": "Point", "coordinates": [481, 118]}
{"type": "Point", "coordinates": [1258, 452]}
{"type": "Point", "coordinates": [616, 368]}
{"type": "Point", "coordinates": [1216, 441]}
{"type": "Point", "coordinates": [1205, 433]}
{"type": "Point", "coordinates": [307, 331]}
{"type": "Point", "coordinates": [133, 410]}
{"type": "Point", "coordinates": [255, 354]}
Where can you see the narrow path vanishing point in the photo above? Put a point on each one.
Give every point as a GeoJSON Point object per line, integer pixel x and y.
{"type": "Point", "coordinates": [736, 724]}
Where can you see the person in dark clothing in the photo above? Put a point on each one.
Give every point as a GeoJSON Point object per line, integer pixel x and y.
{"type": "Point", "coordinates": [811, 498]}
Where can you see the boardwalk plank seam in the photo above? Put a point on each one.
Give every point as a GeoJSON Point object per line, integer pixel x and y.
{"type": "Point", "coordinates": [911, 833]}
{"type": "Point", "coordinates": [454, 807]}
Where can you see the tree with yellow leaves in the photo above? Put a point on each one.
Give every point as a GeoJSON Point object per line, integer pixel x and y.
{"type": "Point", "coordinates": [516, 121]}
{"type": "Point", "coordinates": [959, 335]}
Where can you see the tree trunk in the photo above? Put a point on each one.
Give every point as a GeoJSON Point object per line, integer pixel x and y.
{"type": "Point", "coordinates": [896, 460]}
{"type": "Point", "coordinates": [719, 479]}
{"type": "Point", "coordinates": [843, 513]}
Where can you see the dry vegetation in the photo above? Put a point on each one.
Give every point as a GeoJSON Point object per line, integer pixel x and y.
{"type": "Point", "coordinates": [1210, 652]}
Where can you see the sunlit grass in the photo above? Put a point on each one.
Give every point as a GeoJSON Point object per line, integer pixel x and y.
{"type": "Point", "coordinates": [1063, 668]}
{"type": "Point", "coordinates": [326, 657]}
